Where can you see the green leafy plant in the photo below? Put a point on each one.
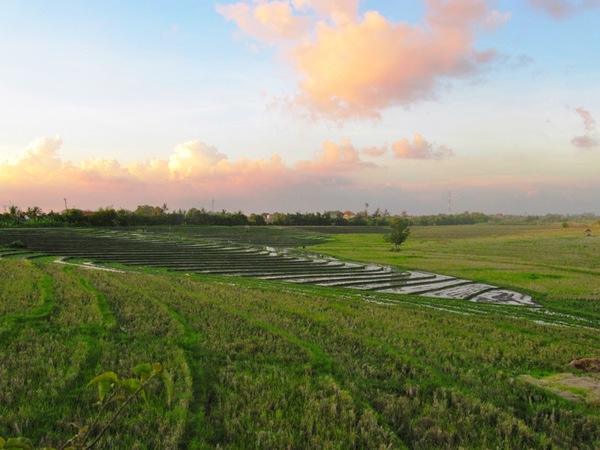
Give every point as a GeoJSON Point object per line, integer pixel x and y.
{"type": "Point", "coordinates": [111, 391]}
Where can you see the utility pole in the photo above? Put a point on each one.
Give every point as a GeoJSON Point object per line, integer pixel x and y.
{"type": "Point", "coordinates": [66, 208]}
{"type": "Point", "coordinates": [449, 202]}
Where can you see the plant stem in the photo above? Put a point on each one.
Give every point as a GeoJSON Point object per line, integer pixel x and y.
{"type": "Point", "coordinates": [118, 412]}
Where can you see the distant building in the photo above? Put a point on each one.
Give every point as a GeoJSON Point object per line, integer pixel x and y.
{"type": "Point", "coordinates": [349, 215]}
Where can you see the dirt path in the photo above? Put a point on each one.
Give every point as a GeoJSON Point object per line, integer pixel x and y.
{"type": "Point", "coordinates": [88, 265]}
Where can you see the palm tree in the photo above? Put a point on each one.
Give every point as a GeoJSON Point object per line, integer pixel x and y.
{"type": "Point", "coordinates": [33, 212]}
{"type": "Point", "coordinates": [14, 211]}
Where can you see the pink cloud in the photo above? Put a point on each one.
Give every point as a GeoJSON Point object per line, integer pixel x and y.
{"type": "Point", "coordinates": [588, 121]}
{"type": "Point", "coordinates": [584, 142]}
{"type": "Point", "coordinates": [560, 9]}
{"type": "Point", "coordinates": [420, 148]}
{"type": "Point", "coordinates": [588, 140]}
{"type": "Point", "coordinates": [352, 66]}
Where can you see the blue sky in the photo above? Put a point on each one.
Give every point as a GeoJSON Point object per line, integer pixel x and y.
{"type": "Point", "coordinates": [303, 105]}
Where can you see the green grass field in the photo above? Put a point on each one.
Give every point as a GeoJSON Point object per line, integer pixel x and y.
{"type": "Point", "coordinates": [263, 364]}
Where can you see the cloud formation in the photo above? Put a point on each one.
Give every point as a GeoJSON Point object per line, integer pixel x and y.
{"type": "Point", "coordinates": [420, 148]}
{"type": "Point", "coordinates": [561, 9]}
{"type": "Point", "coordinates": [354, 66]}
{"type": "Point", "coordinates": [588, 140]}
{"type": "Point", "coordinates": [333, 157]}
{"type": "Point", "coordinates": [194, 158]}
{"type": "Point", "coordinates": [191, 171]}
{"type": "Point", "coordinates": [38, 158]}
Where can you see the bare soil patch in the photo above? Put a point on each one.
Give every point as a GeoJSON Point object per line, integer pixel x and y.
{"type": "Point", "coordinates": [570, 386]}
{"type": "Point", "coordinates": [586, 364]}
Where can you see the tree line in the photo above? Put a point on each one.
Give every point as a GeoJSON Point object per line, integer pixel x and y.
{"type": "Point", "coordinates": [146, 215]}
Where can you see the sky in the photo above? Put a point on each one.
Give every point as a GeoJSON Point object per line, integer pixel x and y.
{"type": "Point", "coordinates": [301, 105]}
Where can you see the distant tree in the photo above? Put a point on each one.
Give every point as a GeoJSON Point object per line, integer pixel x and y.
{"type": "Point", "coordinates": [75, 216]}
{"type": "Point", "coordinates": [15, 212]}
{"type": "Point", "coordinates": [150, 211]}
{"type": "Point", "coordinates": [358, 220]}
{"type": "Point", "coordinates": [55, 218]}
{"type": "Point", "coordinates": [195, 216]}
{"type": "Point", "coordinates": [33, 212]}
{"type": "Point", "coordinates": [256, 219]}
{"type": "Point", "coordinates": [104, 217]}
{"type": "Point", "coordinates": [278, 218]}
{"type": "Point", "coordinates": [238, 218]}
{"type": "Point", "coordinates": [400, 231]}
{"type": "Point", "coordinates": [125, 217]}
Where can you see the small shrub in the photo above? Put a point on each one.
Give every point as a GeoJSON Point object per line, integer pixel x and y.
{"type": "Point", "coordinates": [17, 244]}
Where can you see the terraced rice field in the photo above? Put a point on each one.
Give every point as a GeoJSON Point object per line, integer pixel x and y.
{"type": "Point", "coordinates": [263, 363]}
{"type": "Point", "coordinates": [214, 256]}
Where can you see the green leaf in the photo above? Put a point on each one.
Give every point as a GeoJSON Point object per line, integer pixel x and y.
{"type": "Point", "coordinates": [157, 368]}
{"type": "Point", "coordinates": [106, 376]}
{"type": "Point", "coordinates": [20, 442]}
{"type": "Point", "coordinates": [104, 381]}
{"type": "Point", "coordinates": [143, 370]}
{"type": "Point", "coordinates": [103, 389]}
{"type": "Point", "coordinates": [2, 442]}
{"type": "Point", "coordinates": [130, 385]}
